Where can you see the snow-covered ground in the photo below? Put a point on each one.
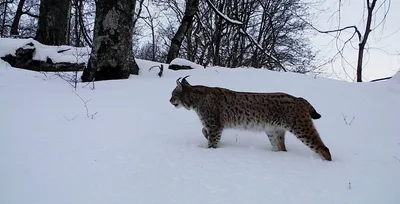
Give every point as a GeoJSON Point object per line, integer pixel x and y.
{"type": "Point", "coordinates": [132, 146]}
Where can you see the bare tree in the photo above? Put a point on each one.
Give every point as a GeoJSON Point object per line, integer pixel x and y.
{"type": "Point", "coordinates": [17, 17]}
{"type": "Point", "coordinates": [150, 21]}
{"type": "Point", "coordinates": [176, 42]}
{"type": "Point", "coordinates": [261, 34]}
{"type": "Point", "coordinates": [371, 24]}
{"type": "Point", "coordinates": [86, 20]}
{"type": "Point", "coordinates": [4, 4]}
{"type": "Point", "coordinates": [111, 55]}
{"type": "Point", "coordinates": [364, 38]}
{"type": "Point", "coordinates": [20, 26]}
{"type": "Point", "coordinates": [53, 25]}
{"type": "Point", "coordinates": [77, 11]}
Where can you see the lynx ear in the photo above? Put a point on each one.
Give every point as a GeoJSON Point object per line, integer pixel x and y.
{"type": "Point", "coordinates": [178, 83]}
{"type": "Point", "coordinates": [184, 80]}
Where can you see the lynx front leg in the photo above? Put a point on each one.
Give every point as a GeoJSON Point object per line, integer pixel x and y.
{"type": "Point", "coordinates": [213, 135]}
{"type": "Point", "coordinates": [204, 131]}
{"type": "Point", "coordinates": [212, 128]}
{"type": "Point", "coordinates": [276, 137]}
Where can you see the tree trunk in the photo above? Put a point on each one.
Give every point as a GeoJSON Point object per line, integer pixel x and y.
{"type": "Point", "coordinates": [218, 36]}
{"type": "Point", "coordinates": [153, 35]}
{"type": "Point", "coordinates": [359, 62]}
{"type": "Point", "coordinates": [187, 21]}
{"type": "Point", "coordinates": [361, 46]}
{"type": "Point", "coordinates": [78, 9]}
{"type": "Point", "coordinates": [18, 14]}
{"type": "Point", "coordinates": [83, 32]}
{"type": "Point", "coordinates": [3, 23]}
{"type": "Point", "coordinates": [53, 22]}
{"type": "Point", "coordinates": [112, 56]}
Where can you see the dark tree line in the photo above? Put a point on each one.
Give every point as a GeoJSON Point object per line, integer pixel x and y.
{"type": "Point", "coordinates": [268, 34]}
{"type": "Point", "coordinates": [239, 33]}
{"type": "Point", "coordinates": [254, 33]}
{"type": "Point", "coordinates": [45, 20]}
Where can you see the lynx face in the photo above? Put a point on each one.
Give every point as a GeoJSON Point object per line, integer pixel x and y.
{"type": "Point", "coordinates": [273, 113]}
{"type": "Point", "coordinates": [177, 95]}
{"type": "Point", "coordinates": [174, 100]}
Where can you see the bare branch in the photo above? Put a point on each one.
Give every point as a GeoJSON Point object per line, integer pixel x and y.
{"type": "Point", "coordinates": [30, 14]}
{"type": "Point", "coordinates": [226, 18]}
{"type": "Point", "coordinates": [238, 23]}
{"type": "Point", "coordinates": [334, 31]}
{"type": "Point", "coordinates": [139, 12]}
{"type": "Point", "coordinates": [6, 2]}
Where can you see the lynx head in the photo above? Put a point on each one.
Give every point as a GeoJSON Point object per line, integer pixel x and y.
{"type": "Point", "coordinates": [180, 93]}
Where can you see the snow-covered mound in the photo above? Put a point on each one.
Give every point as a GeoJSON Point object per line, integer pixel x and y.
{"type": "Point", "coordinates": [55, 53]}
{"type": "Point", "coordinates": [396, 77]}
{"type": "Point", "coordinates": [123, 142]}
{"type": "Point", "coordinates": [185, 62]}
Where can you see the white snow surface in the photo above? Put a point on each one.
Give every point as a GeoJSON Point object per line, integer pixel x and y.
{"type": "Point", "coordinates": [132, 146]}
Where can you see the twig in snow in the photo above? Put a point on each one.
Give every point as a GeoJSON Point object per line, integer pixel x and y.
{"type": "Point", "coordinates": [396, 158]}
{"type": "Point", "coordinates": [71, 118]}
{"type": "Point", "coordinates": [88, 84]}
{"type": "Point", "coordinates": [45, 75]}
{"type": "Point", "coordinates": [88, 115]}
{"type": "Point", "coordinates": [93, 115]}
{"type": "Point", "coordinates": [92, 84]}
{"type": "Point", "coordinates": [85, 103]}
{"type": "Point", "coordinates": [346, 121]}
{"type": "Point", "coordinates": [71, 80]}
{"type": "Point", "coordinates": [161, 67]}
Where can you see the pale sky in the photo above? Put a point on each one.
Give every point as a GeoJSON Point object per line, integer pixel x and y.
{"type": "Point", "coordinates": [383, 57]}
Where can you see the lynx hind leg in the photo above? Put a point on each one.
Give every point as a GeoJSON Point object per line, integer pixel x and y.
{"type": "Point", "coordinates": [305, 131]}
{"type": "Point", "coordinates": [276, 137]}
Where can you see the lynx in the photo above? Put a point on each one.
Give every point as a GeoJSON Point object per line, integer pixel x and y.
{"type": "Point", "coordinates": [272, 113]}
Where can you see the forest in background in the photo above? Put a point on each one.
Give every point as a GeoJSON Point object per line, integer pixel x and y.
{"type": "Point", "coordinates": [265, 34]}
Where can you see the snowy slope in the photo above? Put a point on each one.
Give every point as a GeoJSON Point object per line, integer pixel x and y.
{"type": "Point", "coordinates": [135, 147]}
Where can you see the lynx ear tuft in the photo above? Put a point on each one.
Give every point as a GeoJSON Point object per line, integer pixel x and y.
{"type": "Point", "coordinates": [184, 80]}
{"type": "Point", "coordinates": [178, 83]}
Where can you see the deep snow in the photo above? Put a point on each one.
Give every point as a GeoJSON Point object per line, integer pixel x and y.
{"type": "Point", "coordinates": [135, 147]}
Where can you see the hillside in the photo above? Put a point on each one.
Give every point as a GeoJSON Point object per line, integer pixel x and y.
{"type": "Point", "coordinates": [130, 145]}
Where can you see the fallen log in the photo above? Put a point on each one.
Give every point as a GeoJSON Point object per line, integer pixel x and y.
{"type": "Point", "coordinates": [23, 59]}
{"type": "Point", "coordinates": [179, 67]}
